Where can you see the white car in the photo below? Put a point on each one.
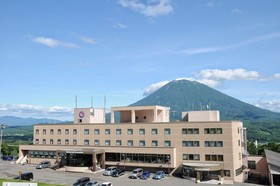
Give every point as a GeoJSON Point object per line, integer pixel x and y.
{"type": "Point", "coordinates": [136, 173]}
{"type": "Point", "coordinates": [109, 170]}
{"type": "Point", "coordinates": [106, 184]}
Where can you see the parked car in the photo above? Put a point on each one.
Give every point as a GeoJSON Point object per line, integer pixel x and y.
{"type": "Point", "coordinates": [106, 184]}
{"type": "Point", "coordinates": [43, 164]}
{"type": "Point", "coordinates": [82, 181]}
{"type": "Point", "coordinates": [118, 172]}
{"type": "Point", "coordinates": [159, 175]}
{"type": "Point", "coordinates": [145, 175]}
{"type": "Point", "coordinates": [92, 183]}
{"type": "Point", "coordinates": [7, 158]}
{"type": "Point", "coordinates": [25, 176]}
{"type": "Point", "coordinates": [109, 171]}
{"type": "Point", "coordinates": [136, 173]}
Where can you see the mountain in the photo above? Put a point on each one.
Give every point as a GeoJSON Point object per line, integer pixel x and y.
{"type": "Point", "coordinates": [16, 121]}
{"type": "Point", "coordinates": [184, 95]}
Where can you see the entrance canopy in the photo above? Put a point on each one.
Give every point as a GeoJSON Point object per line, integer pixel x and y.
{"type": "Point", "coordinates": [204, 166]}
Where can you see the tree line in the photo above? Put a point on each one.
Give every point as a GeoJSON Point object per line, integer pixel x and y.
{"type": "Point", "coordinates": [258, 149]}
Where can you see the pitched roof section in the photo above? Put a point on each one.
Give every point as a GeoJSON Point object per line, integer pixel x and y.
{"type": "Point", "coordinates": [273, 160]}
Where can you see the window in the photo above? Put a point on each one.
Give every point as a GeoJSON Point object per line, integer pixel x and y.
{"type": "Point", "coordinates": [214, 144]}
{"type": "Point", "coordinates": [195, 131]}
{"type": "Point", "coordinates": [59, 141]}
{"type": "Point", "coordinates": [66, 142]}
{"type": "Point", "coordinates": [142, 143]}
{"type": "Point", "coordinates": [86, 131]}
{"type": "Point", "coordinates": [214, 157]}
{"type": "Point", "coordinates": [51, 141]}
{"type": "Point", "coordinates": [129, 131]}
{"type": "Point", "coordinates": [239, 143]}
{"type": "Point", "coordinates": [118, 131]}
{"type": "Point", "coordinates": [167, 143]}
{"type": "Point", "coordinates": [145, 117]}
{"type": "Point", "coordinates": [129, 143]}
{"type": "Point", "coordinates": [167, 131]}
{"type": "Point", "coordinates": [75, 131]}
{"type": "Point", "coordinates": [252, 164]}
{"type": "Point", "coordinates": [107, 131]}
{"type": "Point", "coordinates": [44, 141]}
{"type": "Point", "coordinates": [74, 142]}
{"type": "Point", "coordinates": [154, 131]}
{"type": "Point", "coordinates": [59, 131]}
{"type": "Point", "coordinates": [44, 131]}
{"type": "Point", "coordinates": [154, 143]}
{"type": "Point", "coordinates": [51, 131]}
{"type": "Point", "coordinates": [37, 141]}
{"type": "Point", "coordinates": [195, 157]}
{"type": "Point", "coordinates": [37, 131]}
{"type": "Point", "coordinates": [66, 131]}
{"type": "Point", "coordinates": [213, 131]}
{"type": "Point", "coordinates": [96, 142]}
{"type": "Point", "coordinates": [190, 143]}
{"type": "Point", "coordinates": [96, 131]}
{"type": "Point", "coordinates": [86, 142]}
{"type": "Point", "coordinates": [142, 131]}
{"type": "Point", "coordinates": [190, 131]}
{"type": "Point", "coordinates": [107, 142]}
{"type": "Point", "coordinates": [119, 143]}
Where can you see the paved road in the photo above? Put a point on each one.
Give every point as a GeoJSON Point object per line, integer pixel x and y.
{"type": "Point", "coordinates": [8, 170]}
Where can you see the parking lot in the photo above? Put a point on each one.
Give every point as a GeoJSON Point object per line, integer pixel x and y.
{"type": "Point", "coordinates": [9, 171]}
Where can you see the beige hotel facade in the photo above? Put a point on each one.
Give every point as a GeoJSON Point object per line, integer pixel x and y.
{"type": "Point", "coordinates": [199, 146]}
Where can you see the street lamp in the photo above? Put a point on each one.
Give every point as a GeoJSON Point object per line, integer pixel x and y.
{"type": "Point", "coordinates": [2, 126]}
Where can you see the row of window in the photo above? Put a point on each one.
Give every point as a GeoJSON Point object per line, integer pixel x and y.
{"type": "Point", "coordinates": [141, 143]}
{"type": "Point", "coordinates": [167, 131]}
{"type": "Point", "coordinates": [141, 131]}
{"type": "Point", "coordinates": [208, 157]}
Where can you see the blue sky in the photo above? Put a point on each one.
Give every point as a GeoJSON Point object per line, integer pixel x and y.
{"type": "Point", "coordinates": [51, 51]}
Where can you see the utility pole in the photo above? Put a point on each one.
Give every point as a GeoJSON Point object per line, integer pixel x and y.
{"type": "Point", "coordinates": [1, 134]}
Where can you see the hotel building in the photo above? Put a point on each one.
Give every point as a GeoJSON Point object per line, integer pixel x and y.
{"type": "Point", "coordinates": [199, 146]}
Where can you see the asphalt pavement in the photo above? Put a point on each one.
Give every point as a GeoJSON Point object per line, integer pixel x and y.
{"type": "Point", "coordinates": [9, 170]}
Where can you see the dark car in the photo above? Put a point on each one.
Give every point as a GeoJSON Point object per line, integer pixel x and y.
{"type": "Point", "coordinates": [118, 172]}
{"type": "Point", "coordinates": [145, 175]}
{"type": "Point", "coordinates": [82, 181]}
{"type": "Point", "coordinates": [7, 158]}
{"type": "Point", "coordinates": [25, 176]}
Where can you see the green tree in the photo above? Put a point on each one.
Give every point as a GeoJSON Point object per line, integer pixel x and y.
{"type": "Point", "coordinates": [251, 148]}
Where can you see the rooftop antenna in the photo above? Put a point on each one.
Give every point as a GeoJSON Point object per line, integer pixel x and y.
{"type": "Point", "coordinates": [104, 109]}
{"type": "Point", "coordinates": [91, 102]}
{"type": "Point", "coordinates": [76, 101]}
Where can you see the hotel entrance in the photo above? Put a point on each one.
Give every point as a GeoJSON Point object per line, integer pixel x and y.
{"type": "Point", "coordinates": [81, 160]}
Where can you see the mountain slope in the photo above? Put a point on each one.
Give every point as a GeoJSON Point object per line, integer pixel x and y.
{"type": "Point", "coordinates": [16, 121]}
{"type": "Point", "coordinates": [186, 95]}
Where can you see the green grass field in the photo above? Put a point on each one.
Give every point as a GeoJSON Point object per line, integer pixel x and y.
{"type": "Point", "coordinates": [39, 184]}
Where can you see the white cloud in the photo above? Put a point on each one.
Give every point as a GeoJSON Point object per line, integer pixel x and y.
{"type": "Point", "coordinates": [277, 76]}
{"type": "Point", "coordinates": [153, 87]}
{"type": "Point", "coordinates": [152, 8]}
{"type": "Point", "coordinates": [230, 74]}
{"type": "Point", "coordinates": [203, 50]}
{"type": "Point", "coordinates": [120, 26]}
{"type": "Point", "coordinates": [87, 40]}
{"type": "Point", "coordinates": [24, 110]}
{"type": "Point", "coordinates": [53, 42]}
{"type": "Point", "coordinates": [273, 105]}
{"type": "Point", "coordinates": [236, 11]}
{"type": "Point", "coordinates": [211, 77]}
{"type": "Point", "coordinates": [193, 51]}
